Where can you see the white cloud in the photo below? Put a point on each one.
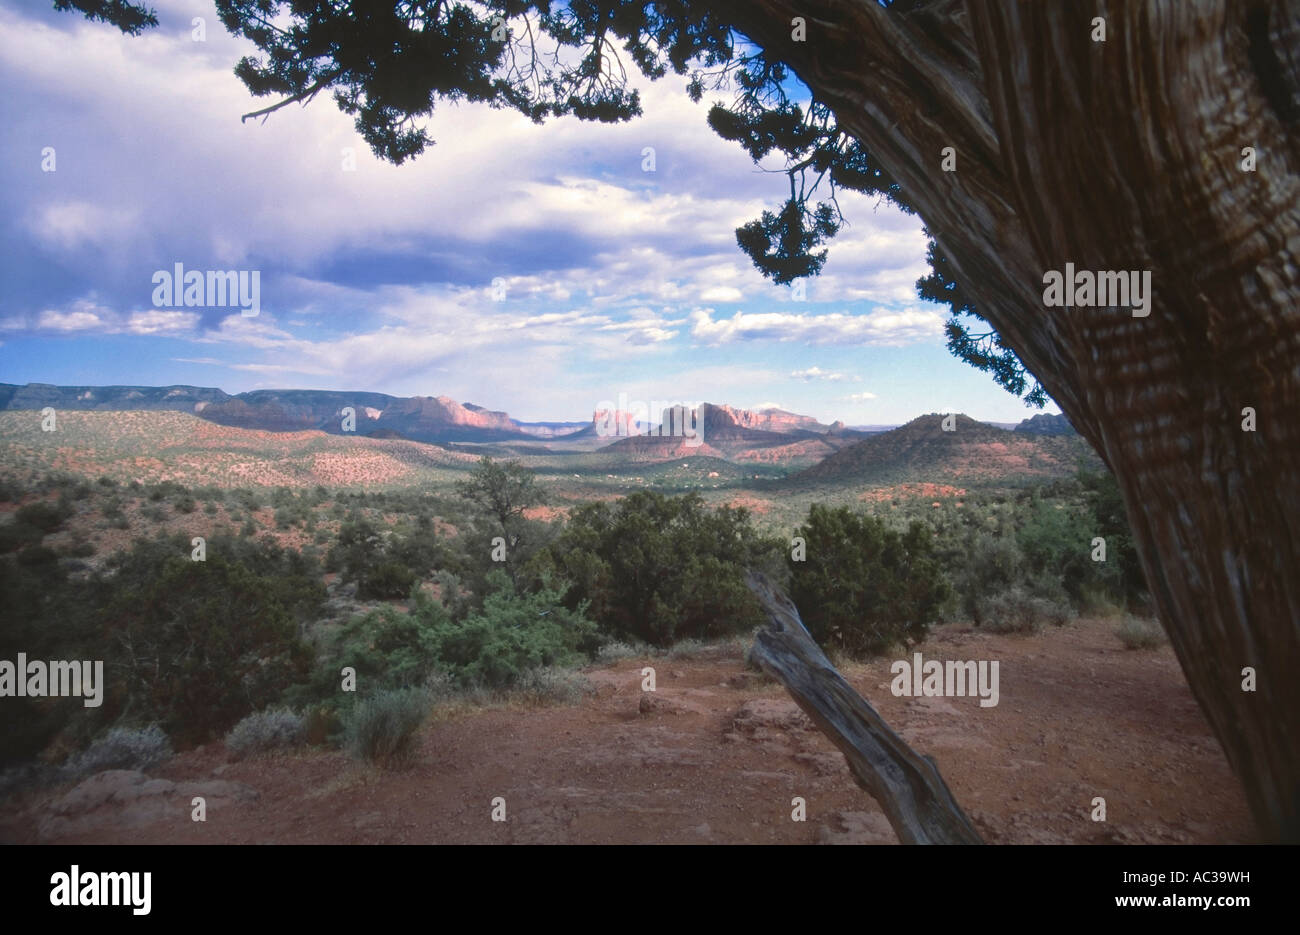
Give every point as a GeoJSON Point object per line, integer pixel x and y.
{"type": "Point", "coordinates": [881, 327]}
{"type": "Point", "coordinates": [817, 373]}
{"type": "Point", "coordinates": [158, 321]}
{"type": "Point", "coordinates": [51, 320]}
{"type": "Point", "coordinates": [722, 294]}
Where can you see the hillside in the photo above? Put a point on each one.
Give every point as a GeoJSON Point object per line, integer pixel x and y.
{"type": "Point", "coordinates": [770, 436]}
{"type": "Point", "coordinates": [418, 418]}
{"type": "Point", "coordinates": [1045, 424]}
{"type": "Point", "coordinates": [157, 446]}
{"type": "Point", "coordinates": [975, 452]}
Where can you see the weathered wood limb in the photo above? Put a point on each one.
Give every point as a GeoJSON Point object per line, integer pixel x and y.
{"type": "Point", "coordinates": [907, 785]}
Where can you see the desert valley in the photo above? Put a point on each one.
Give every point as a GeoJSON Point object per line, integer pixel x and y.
{"type": "Point", "coordinates": [496, 591]}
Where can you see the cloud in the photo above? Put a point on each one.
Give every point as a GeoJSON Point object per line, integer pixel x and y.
{"type": "Point", "coordinates": [88, 315]}
{"type": "Point", "coordinates": [860, 397]}
{"type": "Point", "coordinates": [722, 294]}
{"type": "Point", "coordinates": [880, 327]}
{"type": "Point", "coordinates": [817, 373]}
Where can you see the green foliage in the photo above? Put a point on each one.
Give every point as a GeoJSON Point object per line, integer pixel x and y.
{"type": "Point", "coordinates": [47, 517]}
{"type": "Point", "coordinates": [864, 586]}
{"type": "Point", "coordinates": [1016, 610]}
{"type": "Point", "coordinates": [383, 567]}
{"type": "Point", "coordinates": [492, 648]}
{"type": "Point", "coordinates": [198, 645]}
{"type": "Point", "coordinates": [658, 568]}
{"type": "Point", "coordinates": [387, 648]}
{"type": "Point", "coordinates": [501, 493]}
{"type": "Point", "coordinates": [381, 728]}
{"type": "Point", "coordinates": [16, 535]}
{"type": "Point", "coordinates": [510, 635]}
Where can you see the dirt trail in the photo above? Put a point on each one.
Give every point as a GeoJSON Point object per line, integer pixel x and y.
{"type": "Point", "coordinates": [718, 758]}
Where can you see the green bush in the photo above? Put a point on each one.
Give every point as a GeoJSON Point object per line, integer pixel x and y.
{"type": "Point", "coordinates": [862, 586]}
{"type": "Point", "coordinates": [1015, 610]}
{"type": "Point", "coordinates": [36, 555]}
{"type": "Point", "coordinates": [382, 728]}
{"type": "Point", "coordinates": [16, 535]}
{"type": "Point", "coordinates": [657, 569]}
{"type": "Point", "coordinates": [387, 580]}
{"type": "Point", "coordinates": [510, 635]}
{"type": "Point", "coordinates": [83, 549]}
{"type": "Point", "coordinates": [201, 644]}
{"type": "Point", "coordinates": [44, 516]}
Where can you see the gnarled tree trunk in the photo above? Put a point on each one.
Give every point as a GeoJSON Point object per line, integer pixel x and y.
{"type": "Point", "coordinates": [1125, 154]}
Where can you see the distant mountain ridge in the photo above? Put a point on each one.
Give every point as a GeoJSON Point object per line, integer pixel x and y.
{"type": "Point", "coordinates": [435, 419]}
{"type": "Point", "coordinates": [1046, 424]}
{"type": "Point", "coordinates": [922, 450]}
{"type": "Point", "coordinates": [418, 418]}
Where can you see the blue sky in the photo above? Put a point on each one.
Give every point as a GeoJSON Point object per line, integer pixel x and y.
{"type": "Point", "coordinates": [609, 279]}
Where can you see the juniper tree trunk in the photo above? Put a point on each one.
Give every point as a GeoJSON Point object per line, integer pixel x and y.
{"type": "Point", "coordinates": [1125, 154]}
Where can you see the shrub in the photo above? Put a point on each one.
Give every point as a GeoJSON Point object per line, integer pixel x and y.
{"type": "Point", "coordinates": [202, 644]}
{"type": "Point", "coordinates": [37, 555]}
{"type": "Point", "coordinates": [266, 730]}
{"type": "Point", "coordinates": [616, 650]}
{"type": "Point", "coordinates": [510, 635]}
{"type": "Point", "coordinates": [16, 535]}
{"type": "Point", "coordinates": [1015, 610]}
{"type": "Point", "coordinates": [659, 569]}
{"type": "Point", "coordinates": [864, 586]}
{"type": "Point", "coordinates": [382, 729]}
{"type": "Point", "coordinates": [121, 748]}
{"type": "Point", "coordinates": [82, 549]}
{"type": "Point", "coordinates": [1139, 633]}
{"type": "Point", "coordinates": [386, 581]}
{"type": "Point", "coordinates": [321, 724]}
{"type": "Point", "coordinates": [988, 566]}
{"type": "Point", "coordinates": [44, 516]}
{"type": "Point", "coordinates": [552, 685]}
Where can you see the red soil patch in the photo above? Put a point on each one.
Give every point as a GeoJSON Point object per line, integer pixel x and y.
{"type": "Point", "coordinates": [719, 756]}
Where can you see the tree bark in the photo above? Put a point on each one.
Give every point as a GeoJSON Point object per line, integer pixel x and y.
{"type": "Point", "coordinates": [908, 786]}
{"type": "Point", "coordinates": [1124, 154]}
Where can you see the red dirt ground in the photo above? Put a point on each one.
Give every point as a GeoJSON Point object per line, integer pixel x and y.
{"type": "Point", "coordinates": [722, 754]}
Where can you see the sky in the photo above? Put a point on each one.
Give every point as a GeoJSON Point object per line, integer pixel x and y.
{"type": "Point", "coordinates": [539, 270]}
